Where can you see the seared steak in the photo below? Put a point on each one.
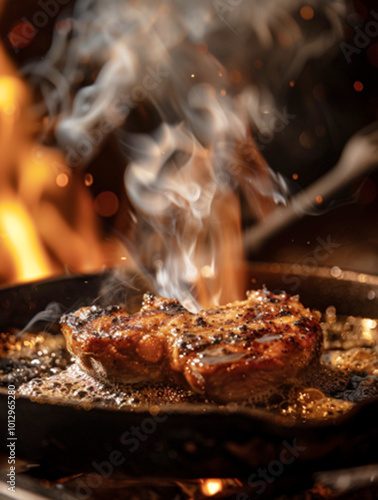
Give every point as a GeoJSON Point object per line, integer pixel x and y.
{"type": "Point", "coordinates": [226, 353]}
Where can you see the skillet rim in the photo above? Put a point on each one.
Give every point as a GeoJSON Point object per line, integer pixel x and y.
{"type": "Point", "coordinates": [272, 269]}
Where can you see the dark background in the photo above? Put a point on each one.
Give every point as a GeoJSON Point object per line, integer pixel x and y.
{"type": "Point", "coordinates": [329, 110]}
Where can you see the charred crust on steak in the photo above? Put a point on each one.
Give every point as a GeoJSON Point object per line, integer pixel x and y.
{"type": "Point", "coordinates": [225, 352]}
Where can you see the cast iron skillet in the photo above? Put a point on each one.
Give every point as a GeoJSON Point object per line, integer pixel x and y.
{"type": "Point", "coordinates": [191, 440]}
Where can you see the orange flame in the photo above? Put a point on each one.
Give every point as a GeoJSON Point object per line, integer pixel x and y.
{"type": "Point", "coordinates": [48, 223]}
{"type": "Point", "coordinates": [19, 234]}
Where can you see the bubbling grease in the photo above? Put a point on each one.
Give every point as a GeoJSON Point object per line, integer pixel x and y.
{"type": "Point", "coordinates": [347, 373]}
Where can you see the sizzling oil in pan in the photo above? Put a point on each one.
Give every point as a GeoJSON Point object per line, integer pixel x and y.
{"type": "Point", "coordinates": [40, 367]}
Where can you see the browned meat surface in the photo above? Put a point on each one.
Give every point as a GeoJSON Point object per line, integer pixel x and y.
{"type": "Point", "coordinates": [226, 353]}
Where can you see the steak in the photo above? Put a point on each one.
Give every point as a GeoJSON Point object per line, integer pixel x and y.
{"type": "Point", "coordinates": [228, 353]}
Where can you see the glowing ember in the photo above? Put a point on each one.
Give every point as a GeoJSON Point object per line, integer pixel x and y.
{"type": "Point", "coordinates": [211, 487]}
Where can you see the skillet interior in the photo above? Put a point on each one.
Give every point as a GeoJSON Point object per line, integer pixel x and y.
{"type": "Point", "coordinates": [193, 440]}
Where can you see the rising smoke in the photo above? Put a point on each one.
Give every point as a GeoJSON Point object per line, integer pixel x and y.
{"type": "Point", "coordinates": [186, 71]}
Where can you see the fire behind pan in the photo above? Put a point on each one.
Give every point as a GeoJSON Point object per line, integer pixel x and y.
{"type": "Point", "coordinates": [189, 440]}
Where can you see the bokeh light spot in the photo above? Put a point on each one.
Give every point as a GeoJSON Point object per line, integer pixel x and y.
{"type": "Point", "coordinates": [202, 48]}
{"type": "Point", "coordinates": [63, 27]}
{"type": "Point", "coordinates": [88, 179]}
{"type": "Point", "coordinates": [106, 204]}
{"type": "Point", "coordinates": [307, 13]}
{"type": "Point", "coordinates": [235, 76]}
{"type": "Point", "coordinates": [9, 109]}
{"type": "Point", "coordinates": [320, 130]}
{"type": "Point", "coordinates": [306, 140]}
{"type": "Point", "coordinates": [21, 34]}
{"type": "Point", "coordinates": [358, 86]}
{"type": "Point", "coordinates": [62, 180]}
{"type": "Point", "coordinates": [164, 9]}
